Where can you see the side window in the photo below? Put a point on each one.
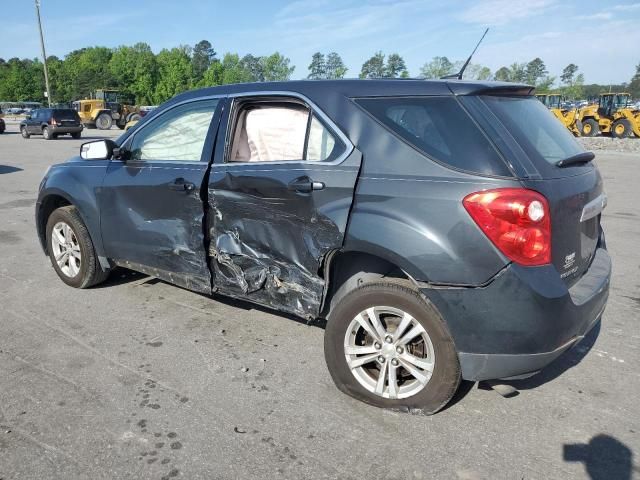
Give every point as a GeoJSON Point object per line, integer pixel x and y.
{"type": "Point", "coordinates": [177, 135]}
{"type": "Point", "coordinates": [269, 131]}
{"type": "Point", "coordinates": [440, 128]}
{"type": "Point", "coordinates": [321, 143]}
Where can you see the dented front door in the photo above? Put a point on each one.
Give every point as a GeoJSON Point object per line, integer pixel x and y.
{"type": "Point", "coordinates": [151, 204]}
{"type": "Point", "coordinates": [272, 223]}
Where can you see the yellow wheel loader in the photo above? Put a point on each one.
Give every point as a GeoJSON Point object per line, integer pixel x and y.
{"type": "Point", "coordinates": [613, 114]}
{"type": "Point", "coordinates": [104, 109]}
{"type": "Point", "coordinates": [568, 116]}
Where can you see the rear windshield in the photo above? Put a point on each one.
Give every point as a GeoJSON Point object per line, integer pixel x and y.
{"type": "Point", "coordinates": [440, 128]}
{"type": "Point", "coordinates": [65, 114]}
{"type": "Point", "coordinates": [534, 128]}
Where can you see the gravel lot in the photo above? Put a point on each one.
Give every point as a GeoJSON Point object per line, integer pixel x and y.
{"type": "Point", "coordinates": [141, 379]}
{"type": "Point", "coordinates": [625, 145]}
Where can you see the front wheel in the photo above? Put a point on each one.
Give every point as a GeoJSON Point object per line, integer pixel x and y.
{"type": "Point", "coordinates": [104, 121]}
{"type": "Point", "coordinates": [71, 250]}
{"type": "Point", "coordinates": [590, 128]}
{"type": "Point", "coordinates": [389, 347]}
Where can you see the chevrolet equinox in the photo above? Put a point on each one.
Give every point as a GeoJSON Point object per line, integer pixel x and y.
{"type": "Point", "coordinates": [445, 230]}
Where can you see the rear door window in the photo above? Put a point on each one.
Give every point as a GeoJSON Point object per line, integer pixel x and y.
{"type": "Point", "coordinates": [439, 128]}
{"type": "Point", "coordinates": [280, 131]}
{"type": "Point", "coordinates": [535, 129]}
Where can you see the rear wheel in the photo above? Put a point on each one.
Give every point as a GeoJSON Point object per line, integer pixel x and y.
{"type": "Point", "coordinates": [387, 346]}
{"type": "Point", "coordinates": [71, 249]}
{"type": "Point", "coordinates": [24, 132]}
{"type": "Point", "coordinates": [76, 135]}
{"type": "Point", "coordinates": [46, 133]}
{"type": "Point", "coordinates": [590, 128]}
{"type": "Point", "coordinates": [104, 121]}
{"type": "Point", "coordinates": [621, 128]}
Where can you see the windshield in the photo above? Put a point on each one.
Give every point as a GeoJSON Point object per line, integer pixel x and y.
{"type": "Point", "coordinates": [536, 130]}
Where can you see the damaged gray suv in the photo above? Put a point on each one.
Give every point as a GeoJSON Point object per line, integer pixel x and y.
{"type": "Point", "coordinates": [445, 230]}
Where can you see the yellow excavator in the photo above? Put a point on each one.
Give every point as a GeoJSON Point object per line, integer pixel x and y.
{"type": "Point", "coordinates": [613, 114]}
{"type": "Point", "coordinates": [568, 116]}
{"type": "Point", "coordinates": [104, 108]}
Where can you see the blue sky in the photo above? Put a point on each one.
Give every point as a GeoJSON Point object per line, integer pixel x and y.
{"type": "Point", "coordinates": [601, 37]}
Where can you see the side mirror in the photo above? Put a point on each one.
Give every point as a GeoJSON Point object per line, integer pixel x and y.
{"type": "Point", "coordinates": [98, 150]}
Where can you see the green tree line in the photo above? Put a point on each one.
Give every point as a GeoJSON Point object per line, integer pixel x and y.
{"type": "Point", "coordinates": [150, 78]}
{"type": "Point", "coordinates": [139, 73]}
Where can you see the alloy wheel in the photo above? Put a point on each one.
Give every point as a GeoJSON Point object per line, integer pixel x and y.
{"type": "Point", "coordinates": [389, 352]}
{"type": "Point", "coordinates": [66, 249]}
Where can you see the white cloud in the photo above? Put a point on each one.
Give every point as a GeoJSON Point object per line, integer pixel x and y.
{"type": "Point", "coordinates": [600, 63]}
{"type": "Point", "coordinates": [596, 16]}
{"type": "Point", "coordinates": [500, 12]}
{"type": "Point", "coordinates": [626, 8]}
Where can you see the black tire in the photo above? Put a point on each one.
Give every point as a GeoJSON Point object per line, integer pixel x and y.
{"type": "Point", "coordinates": [399, 294]}
{"type": "Point", "coordinates": [46, 133]}
{"type": "Point", "coordinates": [121, 126]}
{"type": "Point", "coordinates": [104, 121]}
{"type": "Point", "coordinates": [134, 117]}
{"type": "Point", "coordinates": [24, 132]}
{"type": "Point", "coordinates": [578, 128]}
{"type": "Point", "coordinates": [90, 273]}
{"type": "Point", "coordinates": [621, 128]}
{"type": "Point", "coordinates": [590, 128]}
{"type": "Point", "coordinates": [76, 135]}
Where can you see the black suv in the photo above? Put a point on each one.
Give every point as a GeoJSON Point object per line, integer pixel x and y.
{"type": "Point", "coordinates": [51, 122]}
{"type": "Point", "coordinates": [444, 229]}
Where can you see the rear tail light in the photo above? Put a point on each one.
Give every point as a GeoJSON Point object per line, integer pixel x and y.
{"type": "Point", "coordinates": [516, 220]}
{"type": "Point", "coordinates": [54, 122]}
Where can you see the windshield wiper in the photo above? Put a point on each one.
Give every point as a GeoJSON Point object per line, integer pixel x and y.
{"type": "Point", "coordinates": [582, 157]}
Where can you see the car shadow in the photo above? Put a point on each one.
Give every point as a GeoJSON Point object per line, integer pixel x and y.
{"type": "Point", "coordinates": [120, 276]}
{"type": "Point", "coordinates": [604, 458]}
{"type": "Point", "coordinates": [9, 169]}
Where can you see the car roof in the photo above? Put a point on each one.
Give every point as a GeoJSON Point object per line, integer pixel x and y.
{"type": "Point", "coordinates": [364, 88]}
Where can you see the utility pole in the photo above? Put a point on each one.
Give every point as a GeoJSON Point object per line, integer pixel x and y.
{"type": "Point", "coordinates": [44, 55]}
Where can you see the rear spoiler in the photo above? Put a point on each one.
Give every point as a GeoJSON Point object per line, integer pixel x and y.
{"type": "Point", "coordinates": [489, 88]}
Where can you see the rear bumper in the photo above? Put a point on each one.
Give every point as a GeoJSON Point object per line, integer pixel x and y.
{"type": "Point", "coordinates": [524, 319]}
{"type": "Point", "coordinates": [480, 366]}
{"type": "Point", "coordinates": [63, 130]}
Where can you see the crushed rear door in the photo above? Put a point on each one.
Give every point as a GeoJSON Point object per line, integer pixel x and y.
{"type": "Point", "coordinates": [272, 223]}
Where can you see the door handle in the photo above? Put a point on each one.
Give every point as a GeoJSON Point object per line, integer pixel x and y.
{"type": "Point", "coordinates": [305, 184]}
{"type": "Point", "coordinates": [181, 185]}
